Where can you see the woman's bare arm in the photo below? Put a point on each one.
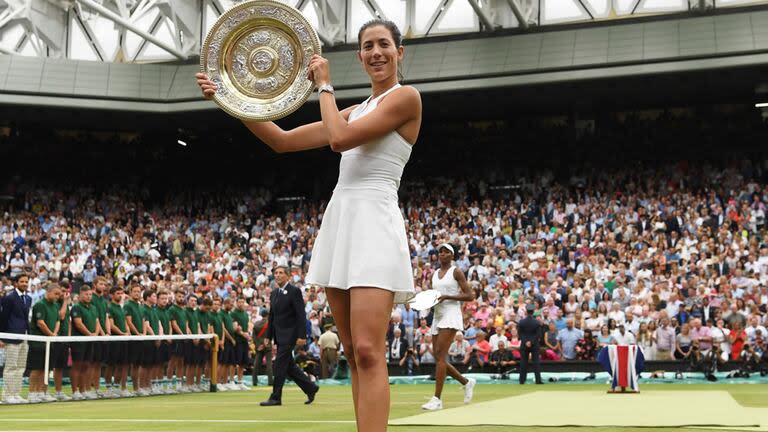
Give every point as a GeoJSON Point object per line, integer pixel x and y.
{"type": "Point", "coordinates": [306, 137]}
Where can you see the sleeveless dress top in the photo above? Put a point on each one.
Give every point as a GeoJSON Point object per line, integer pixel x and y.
{"type": "Point", "coordinates": [362, 240]}
{"type": "Point", "coordinates": [448, 312]}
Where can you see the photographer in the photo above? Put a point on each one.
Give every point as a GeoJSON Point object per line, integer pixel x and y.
{"type": "Point", "coordinates": [703, 360]}
{"type": "Point", "coordinates": [501, 361]}
{"type": "Point", "coordinates": [410, 361]}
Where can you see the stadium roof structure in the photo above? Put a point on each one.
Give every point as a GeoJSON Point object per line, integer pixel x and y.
{"type": "Point", "coordinates": [148, 31]}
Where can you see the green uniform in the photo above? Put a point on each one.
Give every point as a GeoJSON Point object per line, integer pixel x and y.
{"type": "Point", "coordinates": [163, 318]}
{"type": "Point", "coordinates": [215, 320]}
{"type": "Point", "coordinates": [117, 314]}
{"type": "Point", "coordinates": [133, 309]}
{"type": "Point", "coordinates": [193, 320]}
{"type": "Point", "coordinates": [46, 311]}
{"type": "Point", "coordinates": [178, 314]}
{"type": "Point", "coordinates": [226, 319]}
{"type": "Point", "coordinates": [101, 304]}
{"type": "Point", "coordinates": [149, 313]}
{"type": "Point", "coordinates": [204, 321]}
{"type": "Point", "coordinates": [240, 317]}
{"type": "Point", "coordinates": [88, 314]}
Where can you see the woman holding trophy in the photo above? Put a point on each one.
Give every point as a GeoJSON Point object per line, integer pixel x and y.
{"type": "Point", "coordinates": [361, 253]}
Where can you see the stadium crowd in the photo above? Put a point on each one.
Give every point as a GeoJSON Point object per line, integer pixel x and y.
{"type": "Point", "coordinates": [672, 256]}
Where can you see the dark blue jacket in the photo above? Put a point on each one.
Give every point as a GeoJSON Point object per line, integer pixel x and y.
{"type": "Point", "coordinates": [287, 319]}
{"type": "Point", "coordinates": [14, 315]}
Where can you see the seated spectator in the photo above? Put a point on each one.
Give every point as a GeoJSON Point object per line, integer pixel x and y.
{"type": "Point", "coordinates": [460, 350]}
{"type": "Point", "coordinates": [480, 352]}
{"type": "Point", "coordinates": [501, 361]}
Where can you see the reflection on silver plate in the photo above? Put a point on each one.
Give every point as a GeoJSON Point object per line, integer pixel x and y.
{"type": "Point", "coordinates": [425, 300]}
{"type": "Point", "coordinates": [257, 54]}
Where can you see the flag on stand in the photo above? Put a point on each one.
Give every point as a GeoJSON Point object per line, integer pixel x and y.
{"type": "Point", "coordinates": [624, 363]}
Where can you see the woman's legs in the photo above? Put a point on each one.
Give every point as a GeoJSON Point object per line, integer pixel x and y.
{"type": "Point", "coordinates": [371, 309]}
{"type": "Point", "coordinates": [441, 343]}
{"type": "Point", "coordinates": [339, 301]}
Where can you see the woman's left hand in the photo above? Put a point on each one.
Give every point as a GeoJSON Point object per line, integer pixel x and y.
{"type": "Point", "coordinates": [319, 70]}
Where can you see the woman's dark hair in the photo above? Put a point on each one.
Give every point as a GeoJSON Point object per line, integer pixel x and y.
{"type": "Point", "coordinates": [397, 37]}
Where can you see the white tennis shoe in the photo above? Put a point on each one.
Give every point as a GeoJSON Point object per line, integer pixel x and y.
{"type": "Point", "coordinates": [434, 404]}
{"type": "Point", "coordinates": [469, 390]}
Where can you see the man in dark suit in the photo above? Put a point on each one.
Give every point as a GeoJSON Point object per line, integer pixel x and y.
{"type": "Point", "coordinates": [14, 318]}
{"type": "Point", "coordinates": [287, 322]}
{"type": "Point", "coordinates": [529, 329]}
{"type": "Point", "coordinates": [721, 267]}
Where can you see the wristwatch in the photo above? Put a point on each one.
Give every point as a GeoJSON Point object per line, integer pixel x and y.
{"type": "Point", "coordinates": [325, 88]}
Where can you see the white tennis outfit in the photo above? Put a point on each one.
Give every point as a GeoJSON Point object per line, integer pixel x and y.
{"type": "Point", "coordinates": [362, 240]}
{"type": "Point", "coordinates": [448, 312]}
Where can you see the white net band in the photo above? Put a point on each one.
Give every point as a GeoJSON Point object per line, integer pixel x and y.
{"type": "Point", "coordinates": [36, 338]}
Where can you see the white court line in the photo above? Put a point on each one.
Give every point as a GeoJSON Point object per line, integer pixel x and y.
{"type": "Point", "coordinates": [110, 420]}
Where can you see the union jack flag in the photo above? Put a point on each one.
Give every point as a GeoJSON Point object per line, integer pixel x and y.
{"type": "Point", "coordinates": [624, 363]}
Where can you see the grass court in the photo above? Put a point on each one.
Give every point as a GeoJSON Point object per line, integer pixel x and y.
{"type": "Point", "coordinates": [331, 412]}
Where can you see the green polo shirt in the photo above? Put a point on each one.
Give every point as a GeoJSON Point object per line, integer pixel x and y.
{"type": "Point", "coordinates": [165, 321]}
{"type": "Point", "coordinates": [64, 326]}
{"type": "Point", "coordinates": [240, 317]}
{"type": "Point", "coordinates": [101, 304]}
{"type": "Point", "coordinates": [117, 314]}
{"type": "Point", "coordinates": [89, 315]}
{"type": "Point", "coordinates": [178, 314]}
{"type": "Point", "coordinates": [133, 309]}
{"type": "Point", "coordinates": [149, 313]}
{"type": "Point", "coordinates": [215, 319]}
{"type": "Point", "coordinates": [226, 319]}
{"type": "Point", "coordinates": [46, 311]}
{"type": "Point", "coordinates": [193, 320]}
{"type": "Point", "coordinates": [204, 318]}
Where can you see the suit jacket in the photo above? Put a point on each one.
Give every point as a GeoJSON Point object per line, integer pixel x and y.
{"type": "Point", "coordinates": [722, 268]}
{"type": "Point", "coordinates": [403, 348]}
{"type": "Point", "coordinates": [529, 329]}
{"type": "Point", "coordinates": [14, 314]}
{"type": "Point", "coordinates": [391, 331]}
{"type": "Point", "coordinates": [287, 320]}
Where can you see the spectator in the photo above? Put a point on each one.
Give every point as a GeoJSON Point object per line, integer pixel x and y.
{"type": "Point", "coordinates": [501, 361]}
{"type": "Point", "coordinates": [586, 347]}
{"type": "Point", "coordinates": [551, 343]}
{"type": "Point", "coordinates": [460, 350]}
{"type": "Point", "coordinates": [426, 351]}
{"type": "Point", "coordinates": [480, 352]}
{"type": "Point", "coordinates": [683, 343]}
{"type": "Point", "coordinates": [568, 338]}
{"type": "Point", "coordinates": [666, 344]}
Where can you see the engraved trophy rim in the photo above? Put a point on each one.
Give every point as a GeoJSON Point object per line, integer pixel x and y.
{"type": "Point", "coordinates": [314, 43]}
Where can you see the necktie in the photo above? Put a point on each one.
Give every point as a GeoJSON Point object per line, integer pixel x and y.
{"type": "Point", "coordinates": [27, 300]}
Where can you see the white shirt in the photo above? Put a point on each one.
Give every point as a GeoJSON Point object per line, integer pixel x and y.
{"type": "Point", "coordinates": [626, 339]}
{"type": "Point", "coordinates": [494, 341]}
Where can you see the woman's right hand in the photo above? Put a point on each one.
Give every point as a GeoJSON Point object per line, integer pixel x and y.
{"type": "Point", "coordinates": [206, 85]}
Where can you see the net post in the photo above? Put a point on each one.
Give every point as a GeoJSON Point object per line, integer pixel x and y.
{"type": "Point", "coordinates": [47, 363]}
{"type": "Point", "coordinates": [214, 363]}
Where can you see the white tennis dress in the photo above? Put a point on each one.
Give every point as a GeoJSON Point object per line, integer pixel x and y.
{"type": "Point", "coordinates": [362, 240]}
{"type": "Point", "coordinates": [448, 312]}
